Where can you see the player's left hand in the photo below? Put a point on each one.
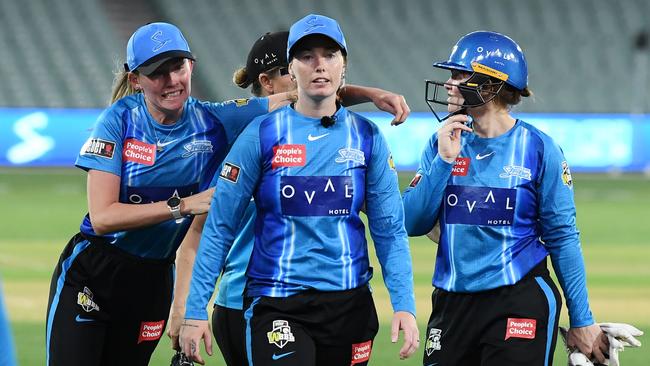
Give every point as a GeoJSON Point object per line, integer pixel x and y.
{"type": "Point", "coordinates": [403, 320]}
{"type": "Point", "coordinates": [394, 104]}
{"type": "Point", "coordinates": [590, 341]}
{"type": "Point", "coordinates": [192, 331]}
{"type": "Point", "coordinates": [174, 327]}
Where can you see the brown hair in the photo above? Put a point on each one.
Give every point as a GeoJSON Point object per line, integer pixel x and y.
{"type": "Point", "coordinates": [121, 86]}
{"type": "Point", "coordinates": [240, 78]}
{"type": "Point", "coordinates": [509, 96]}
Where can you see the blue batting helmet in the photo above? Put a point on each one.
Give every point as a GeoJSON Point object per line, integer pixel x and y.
{"type": "Point", "coordinates": [489, 53]}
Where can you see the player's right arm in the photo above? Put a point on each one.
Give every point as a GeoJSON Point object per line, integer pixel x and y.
{"type": "Point", "coordinates": [235, 185]}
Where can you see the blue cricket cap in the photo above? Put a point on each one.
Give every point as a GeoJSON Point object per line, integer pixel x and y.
{"type": "Point", "coordinates": [153, 44]}
{"type": "Point", "coordinates": [315, 24]}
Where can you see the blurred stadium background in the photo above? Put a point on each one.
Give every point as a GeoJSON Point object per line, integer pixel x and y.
{"type": "Point", "coordinates": [588, 62]}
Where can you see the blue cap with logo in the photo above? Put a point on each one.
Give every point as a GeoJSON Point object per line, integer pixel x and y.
{"type": "Point", "coordinates": [315, 24]}
{"type": "Point", "coordinates": [153, 44]}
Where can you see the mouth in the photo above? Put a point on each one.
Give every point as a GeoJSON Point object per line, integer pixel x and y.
{"type": "Point", "coordinates": [172, 94]}
{"type": "Point", "coordinates": [320, 81]}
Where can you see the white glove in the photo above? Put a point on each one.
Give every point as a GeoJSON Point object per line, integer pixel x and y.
{"type": "Point", "coordinates": [620, 335]}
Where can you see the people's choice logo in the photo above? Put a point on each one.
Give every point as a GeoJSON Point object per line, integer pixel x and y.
{"type": "Point", "coordinates": [33, 145]}
{"type": "Point", "coordinates": [289, 155]}
{"type": "Point", "coordinates": [521, 328]}
{"type": "Point", "coordinates": [150, 331]}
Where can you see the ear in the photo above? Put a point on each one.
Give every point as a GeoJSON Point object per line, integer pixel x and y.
{"type": "Point", "coordinates": [291, 74]}
{"type": "Point", "coordinates": [265, 82]}
{"type": "Point", "coordinates": [134, 80]}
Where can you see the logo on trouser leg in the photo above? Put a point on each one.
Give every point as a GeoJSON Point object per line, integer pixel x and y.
{"type": "Point", "coordinates": [433, 341]}
{"type": "Point", "coordinates": [521, 328]}
{"type": "Point", "coordinates": [361, 352]}
{"type": "Point", "coordinates": [281, 334]}
{"type": "Point", "coordinates": [150, 331]}
{"type": "Point", "coordinates": [85, 300]}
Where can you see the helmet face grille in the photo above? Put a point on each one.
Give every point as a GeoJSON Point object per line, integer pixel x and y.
{"type": "Point", "coordinates": [476, 91]}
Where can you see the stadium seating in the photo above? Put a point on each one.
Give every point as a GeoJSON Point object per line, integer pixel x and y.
{"type": "Point", "coordinates": [581, 53]}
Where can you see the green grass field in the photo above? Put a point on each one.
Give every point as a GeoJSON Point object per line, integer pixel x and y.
{"type": "Point", "coordinates": [42, 208]}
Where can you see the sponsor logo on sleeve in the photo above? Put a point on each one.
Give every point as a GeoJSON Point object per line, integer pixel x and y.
{"type": "Point", "coordinates": [433, 341]}
{"type": "Point", "coordinates": [150, 331]}
{"type": "Point", "coordinates": [480, 205]}
{"type": "Point", "coordinates": [281, 334]}
{"type": "Point", "coordinates": [391, 163]}
{"type": "Point", "coordinates": [289, 155]}
{"type": "Point", "coordinates": [139, 152]}
{"type": "Point", "coordinates": [521, 328]}
{"type": "Point", "coordinates": [566, 174]}
{"type": "Point", "coordinates": [350, 154]}
{"type": "Point", "coordinates": [461, 167]}
{"type": "Point", "coordinates": [316, 196]}
{"type": "Point", "coordinates": [361, 352]}
{"type": "Point", "coordinates": [415, 180]}
{"type": "Point", "coordinates": [99, 147]}
{"type": "Point", "coordinates": [230, 172]}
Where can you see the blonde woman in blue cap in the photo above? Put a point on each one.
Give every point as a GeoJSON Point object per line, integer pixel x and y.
{"type": "Point", "coordinates": [310, 167]}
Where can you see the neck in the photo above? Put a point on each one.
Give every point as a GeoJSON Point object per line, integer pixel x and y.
{"type": "Point", "coordinates": [315, 108]}
{"type": "Point", "coordinates": [163, 117]}
{"type": "Point", "coordinates": [490, 122]}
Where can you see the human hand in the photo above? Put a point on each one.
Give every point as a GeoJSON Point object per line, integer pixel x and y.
{"type": "Point", "coordinates": [197, 204]}
{"type": "Point", "coordinates": [192, 331]}
{"type": "Point", "coordinates": [174, 327]}
{"type": "Point", "coordinates": [394, 104]}
{"type": "Point", "coordinates": [590, 341]}
{"type": "Point", "coordinates": [449, 137]}
{"type": "Point", "coordinates": [403, 320]}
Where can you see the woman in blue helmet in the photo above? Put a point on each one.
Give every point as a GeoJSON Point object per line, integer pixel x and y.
{"type": "Point", "coordinates": [500, 195]}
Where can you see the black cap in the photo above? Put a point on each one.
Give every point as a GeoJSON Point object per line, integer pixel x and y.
{"type": "Point", "coordinates": [268, 52]}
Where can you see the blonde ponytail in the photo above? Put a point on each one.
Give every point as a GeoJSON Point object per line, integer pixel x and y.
{"type": "Point", "coordinates": [121, 87]}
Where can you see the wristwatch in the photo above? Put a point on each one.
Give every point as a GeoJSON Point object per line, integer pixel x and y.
{"type": "Point", "coordinates": [174, 205]}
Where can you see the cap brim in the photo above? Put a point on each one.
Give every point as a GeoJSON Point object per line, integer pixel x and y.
{"type": "Point", "coordinates": [450, 66]}
{"type": "Point", "coordinates": [148, 67]}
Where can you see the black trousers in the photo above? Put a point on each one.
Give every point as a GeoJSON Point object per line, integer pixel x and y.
{"type": "Point", "coordinates": [312, 328]}
{"type": "Point", "coordinates": [106, 307]}
{"type": "Point", "coordinates": [229, 328]}
{"type": "Point", "coordinates": [510, 325]}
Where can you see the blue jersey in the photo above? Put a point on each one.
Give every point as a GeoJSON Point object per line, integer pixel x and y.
{"type": "Point", "coordinates": [503, 206]}
{"type": "Point", "coordinates": [156, 161]}
{"type": "Point", "coordinates": [309, 184]}
{"type": "Point", "coordinates": [7, 354]}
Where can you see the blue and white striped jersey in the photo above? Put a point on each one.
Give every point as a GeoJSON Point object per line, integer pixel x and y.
{"type": "Point", "coordinates": [503, 206]}
{"type": "Point", "coordinates": [309, 184]}
{"type": "Point", "coordinates": [156, 161]}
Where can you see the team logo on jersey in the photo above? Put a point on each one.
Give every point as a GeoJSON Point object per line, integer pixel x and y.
{"type": "Point", "coordinates": [230, 172]}
{"type": "Point", "coordinates": [350, 154]}
{"type": "Point", "coordinates": [150, 331]}
{"type": "Point", "coordinates": [521, 328]}
{"type": "Point", "coordinates": [85, 300]}
{"type": "Point", "coordinates": [566, 174]}
{"type": "Point", "coordinates": [516, 171]}
{"type": "Point", "coordinates": [433, 341]}
{"type": "Point", "coordinates": [289, 155]}
{"type": "Point", "coordinates": [391, 163]}
{"type": "Point", "coordinates": [461, 167]}
{"type": "Point", "coordinates": [139, 152]}
{"type": "Point", "coordinates": [99, 147]}
{"type": "Point", "coordinates": [197, 147]}
{"type": "Point", "coordinates": [479, 205]}
{"type": "Point", "coordinates": [415, 180]}
{"type": "Point", "coordinates": [316, 196]}
{"type": "Point", "coordinates": [361, 352]}
{"type": "Point", "coordinates": [281, 334]}
{"type": "Point", "coordinates": [139, 195]}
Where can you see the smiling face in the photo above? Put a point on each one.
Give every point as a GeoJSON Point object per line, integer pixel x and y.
{"type": "Point", "coordinates": [166, 89]}
{"type": "Point", "coordinates": [318, 66]}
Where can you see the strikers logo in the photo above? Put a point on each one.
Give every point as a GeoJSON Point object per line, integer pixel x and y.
{"type": "Point", "coordinates": [99, 147]}
{"type": "Point", "coordinates": [516, 171]}
{"type": "Point", "coordinates": [289, 155]}
{"type": "Point", "coordinates": [433, 341]}
{"type": "Point", "coordinates": [85, 300]}
{"type": "Point", "coordinates": [281, 334]}
{"type": "Point", "coordinates": [197, 147]}
{"type": "Point", "coordinates": [354, 155]}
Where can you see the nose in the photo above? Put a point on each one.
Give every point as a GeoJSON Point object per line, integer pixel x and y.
{"type": "Point", "coordinates": [450, 84]}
